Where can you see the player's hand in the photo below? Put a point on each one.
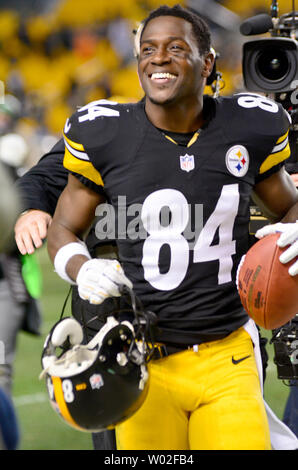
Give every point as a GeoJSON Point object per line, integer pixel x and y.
{"type": "Point", "coordinates": [31, 229]}
{"type": "Point", "coordinates": [98, 279]}
{"type": "Point", "coordinates": [289, 236]}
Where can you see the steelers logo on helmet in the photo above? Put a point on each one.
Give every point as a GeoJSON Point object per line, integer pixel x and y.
{"type": "Point", "coordinates": [237, 160]}
{"type": "Point", "coordinates": [98, 385]}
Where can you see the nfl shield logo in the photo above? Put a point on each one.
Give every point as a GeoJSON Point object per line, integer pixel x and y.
{"type": "Point", "coordinates": [187, 162]}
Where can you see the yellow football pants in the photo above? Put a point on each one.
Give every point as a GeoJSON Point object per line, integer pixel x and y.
{"type": "Point", "coordinates": [201, 401]}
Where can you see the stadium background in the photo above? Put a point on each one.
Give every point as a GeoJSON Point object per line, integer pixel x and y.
{"type": "Point", "coordinates": [56, 55]}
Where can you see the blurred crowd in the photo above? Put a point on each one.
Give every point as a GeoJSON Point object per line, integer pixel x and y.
{"type": "Point", "coordinates": [56, 55]}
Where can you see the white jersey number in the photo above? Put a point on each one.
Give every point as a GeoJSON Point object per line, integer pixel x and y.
{"type": "Point", "coordinates": [170, 235]}
{"type": "Point", "coordinates": [95, 110]}
{"type": "Point", "coordinates": [222, 218]}
{"type": "Point", "coordinates": [255, 101]}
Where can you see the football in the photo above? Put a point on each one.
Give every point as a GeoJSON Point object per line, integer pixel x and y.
{"type": "Point", "coordinates": [267, 291]}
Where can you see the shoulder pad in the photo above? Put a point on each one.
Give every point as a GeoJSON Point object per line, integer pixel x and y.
{"type": "Point", "coordinates": [94, 124]}
{"type": "Point", "coordinates": [100, 133]}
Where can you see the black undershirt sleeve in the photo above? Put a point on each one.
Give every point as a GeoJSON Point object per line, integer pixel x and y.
{"type": "Point", "coordinates": [41, 186]}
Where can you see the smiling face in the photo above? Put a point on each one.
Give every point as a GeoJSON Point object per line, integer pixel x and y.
{"type": "Point", "coordinates": [171, 68]}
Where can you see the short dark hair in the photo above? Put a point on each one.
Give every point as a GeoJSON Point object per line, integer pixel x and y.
{"type": "Point", "coordinates": [199, 26]}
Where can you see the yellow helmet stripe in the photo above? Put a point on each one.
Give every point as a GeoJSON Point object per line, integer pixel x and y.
{"type": "Point", "coordinates": [59, 396]}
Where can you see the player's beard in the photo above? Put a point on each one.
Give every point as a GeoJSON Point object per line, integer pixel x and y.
{"type": "Point", "coordinates": [162, 102]}
{"type": "Point", "coordinates": [178, 94]}
{"type": "Point", "coordinates": [170, 99]}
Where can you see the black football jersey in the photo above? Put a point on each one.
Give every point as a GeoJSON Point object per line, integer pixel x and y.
{"type": "Point", "coordinates": [180, 213]}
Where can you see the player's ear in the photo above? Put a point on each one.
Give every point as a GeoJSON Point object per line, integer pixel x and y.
{"type": "Point", "coordinates": [209, 60]}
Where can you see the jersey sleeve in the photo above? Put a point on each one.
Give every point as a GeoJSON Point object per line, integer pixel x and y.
{"type": "Point", "coordinates": [276, 159]}
{"type": "Point", "coordinates": [76, 158]}
{"type": "Point", "coordinates": [262, 126]}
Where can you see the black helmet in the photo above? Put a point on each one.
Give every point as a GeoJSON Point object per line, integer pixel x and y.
{"type": "Point", "coordinates": [96, 386]}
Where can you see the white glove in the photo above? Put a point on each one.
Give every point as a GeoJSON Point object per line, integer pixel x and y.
{"type": "Point", "coordinates": [98, 279]}
{"type": "Point", "coordinates": [289, 236]}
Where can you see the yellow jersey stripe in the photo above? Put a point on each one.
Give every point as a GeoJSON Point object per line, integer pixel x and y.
{"type": "Point", "coordinates": [193, 139]}
{"type": "Point", "coordinates": [73, 144]}
{"type": "Point", "coordinates": [279, 147]}
{"type": "Point", "coordinates": [275, 158]}
{"type": "Point", "coordinates": [59, 397]}
{"type": "Point", "coordinates": [82, 167]}
{"type": "Point", "coordinates": [170, 139]}
{"type": "Point", "coordinates": [76, 153]}
{"type": "Point", "coordinates": [282, 138]}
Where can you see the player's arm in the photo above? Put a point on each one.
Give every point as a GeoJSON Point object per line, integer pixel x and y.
{"type": "Point", "coordinates": [97, 279]}
{"type": "Point", "coordinates": [74, 214]}
{"type": "Point", "coordinates": [277, 196]}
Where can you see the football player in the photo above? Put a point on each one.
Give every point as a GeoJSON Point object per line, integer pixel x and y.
{"type": "Point", "coordinates": [178, 150]}
{"type": "Point", "coordinates": [181, 151]}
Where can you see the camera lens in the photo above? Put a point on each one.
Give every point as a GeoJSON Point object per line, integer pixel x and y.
{"type": "Point", "coordinates": [272, 64]}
